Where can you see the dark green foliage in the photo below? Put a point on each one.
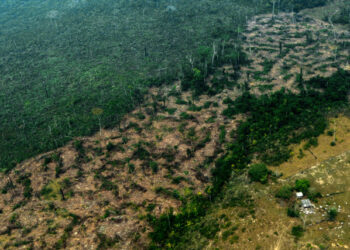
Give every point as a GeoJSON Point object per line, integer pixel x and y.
{"type": "Point", "coordinates": [176, 224]}
{"type": "Point", "coordinates": [108, 185]}
{"type": "Point", "coordinates": [301, 153]}
{"type": "Point", "coordinates": [25, 181]}
{"type": "Point", "coordinates": [110, 146]}
{"type": "Point", "coordinates": [314, 195]}
{"type": "Point", "coordinates": [201, 144]}
{"type": "Point", "coordinates": [140, 116]}
{"type": "Point", "coordinates": [45, 191]}
{"type": "Point", "coordinates": [330, 132]}
{"type": "Point", "coordinates": [332, 214]}
{"type": "Point", "coordinates": [238, 199]}
{"type": "Point", "coordinates": [229, 232]}
{"type": "Point", "coordinates": [154, 166]}
{"type": "Point", "coordinates": [47, 160]}
{"type": "Point", "coordinates": [168, 192]}
{"type": "Point", "coordinates": [178, 179]}
{"type": "Point", "coordinates": [228, 100]}
{"type": "Point", "coordinates": [98, 151]}
{"type": "Point", "coordinates": [78, 145]}
{"type": "Point", "coordinates": [343, 15]}
{"type": "Point", "coordinates": [51, 206]}
{"type": "Point", "coordinates": [59, 169]}
{"type": "Point", "coordinates": [273, 117]}
{"type": "Point", "coordinates": [66, 183]}
{"type": "Point", "coordinates": [186, 116]}
{"type": "Point", "coordinates": [211, 119]}
{"type": "Point", "coordinates": [292, 212]}
{"type": "Point", "coordinates": [150, 207]}
{"type": "Point", "coordinates": [222, 134]}
{"type": "Point", "coordinates": [13, 218]}
{"type": "Point", "coordinates": [62, 242]}
{"type": "Point", "coordinates": [297, 231]}
{"type": "Point", "coordinates": [267, 66]}
{"type": "Point", "coordinates": [194, 108]}
{"type": "Point", "coordinates": [174, 92]}
{"type": "Point", "coordinates": [171, 111]}
{"type": "Point", "coordinates": [259, 173]}
{"type": "Point", "coordinates": [111, 211]}
{"type": "Point", "coordinates": [125, 140]}
{"type": "Point", "coordinates": [285, 192]}
{"type": "Point", "coordinates": [191, 132]}
{"type": "Point", "coordinates": [309, 39]}
{"type": "Point", "coordinates": [194, 80]}
{"type": "Point", "coordinates": [106, 242]}
{"type": "Point", "coordinates": [141, 152]}
{"type": "Point", "coordinates": [22, 243]}
{"type": "Point", "coordinates": [302, 185]}
{"type": "Point", "coordinates": [18, 205]}
{"type": "Point", "coordinates": [9, 185]}
{"type": "Point", "coordinates": [169, 154]}
{"type": "Point", "coordinates": [218, 85]}
{"type": "Point", "coordinates": [312, 142]}
{"type": "Point", "coordinates": [180, 102]}
{"type": "Point", "coordinates": [51, 230]}
{"type": "Point", "coordinates": [135, 126]}
{"type": "Point", "coordinates": [266, 87]}
{"type": "Point", "coordinates": [209, 228]}
{"type": "Point", "coordinates": [207, 104]}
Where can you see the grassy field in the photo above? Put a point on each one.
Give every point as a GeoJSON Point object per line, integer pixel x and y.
{"type": "Point", "coordinates": [302, 159]}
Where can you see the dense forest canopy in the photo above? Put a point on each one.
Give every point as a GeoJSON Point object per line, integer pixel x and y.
{"type": "Point", "coordinates": [61, 59]}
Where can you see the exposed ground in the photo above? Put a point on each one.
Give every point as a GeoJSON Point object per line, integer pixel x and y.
{"type": "Point", "coordinates": [289, 45]}
{"type": "Point", "coordinates": [161, 153]}
{"type": "Point", "coordinates": [96, 191]}
{"type": "Point", "coordinates": [266, 225]}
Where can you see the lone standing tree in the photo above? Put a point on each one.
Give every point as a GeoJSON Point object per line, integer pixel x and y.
{"type": "Point", "coordinates": [98, 112]}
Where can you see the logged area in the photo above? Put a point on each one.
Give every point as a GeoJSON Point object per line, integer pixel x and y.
{"type": "Point", "coordinates": [61, 59]}
{"type": "Point", "coordinates": [237, 137]}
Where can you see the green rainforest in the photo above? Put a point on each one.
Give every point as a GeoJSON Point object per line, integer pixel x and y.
{"type": "Point", "coordinates": [230, 87]}
{"type": "Point", "coordinates": [61, 59]}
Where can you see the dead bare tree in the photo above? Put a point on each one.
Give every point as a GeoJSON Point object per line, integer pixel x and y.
{"type": "Point", "coordinates": [273, 8]}
{"type": "Point", "coordinates": [191, 60]}
{"type": "Point", "coordinates": [331, 23]}
{"type": "Point", "coordinates": [214, 54]}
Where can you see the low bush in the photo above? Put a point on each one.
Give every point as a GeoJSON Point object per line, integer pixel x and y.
{"type": "Point", "coordinates": [259, 173]}
{"type": "Point", "coordinates": [332, 214]}
{"type": "Point", "coordinates": [285, 192]}
{"type": "Point", "coordinates": [297, 231]}
{"type": "Point", "coordinates": [110, 146]}
{"type": "Point", "coordinates": [314, 195]}
{"type": "Point", "coordinates": [154, 166]}
{"type": "Point", "coordinates": [292, 212]}
{"type": "Point", "coordinates": [302, 185]}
